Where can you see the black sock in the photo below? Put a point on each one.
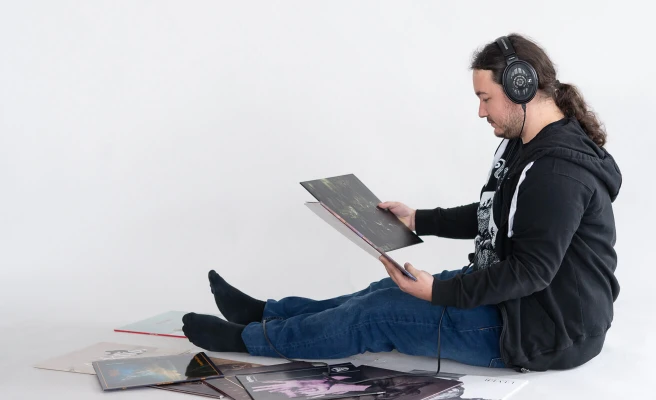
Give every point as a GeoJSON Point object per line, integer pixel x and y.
{"type": "Point", "coordinates": [212, 333]}
{"type": "Point", "coordinates": [236, 306]}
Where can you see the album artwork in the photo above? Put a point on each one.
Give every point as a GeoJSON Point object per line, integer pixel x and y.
{"type": "Point", "coordinates": [149, 371]}
{"type": "Point", "coordinates": [203, 388]}
{"type": "Point", "coordinates": [398, 385]}
{"type": "Point", "coordinates": [311, 383]}
{"type": "Point", "coordinates": [79, 361]}
{"type": "Point", "coordinates": [349, 198]}
{"type": "Point", "coordinates": [228, 386]}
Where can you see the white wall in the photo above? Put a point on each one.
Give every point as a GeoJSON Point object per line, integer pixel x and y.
{"type": "Point", "coordinates": [143, 143]}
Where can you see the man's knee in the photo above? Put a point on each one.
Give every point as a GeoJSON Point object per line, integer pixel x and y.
{"type": "Point", "coordinates": [385, 304]}
{"type": "Point", "coordinates": [376, 302]}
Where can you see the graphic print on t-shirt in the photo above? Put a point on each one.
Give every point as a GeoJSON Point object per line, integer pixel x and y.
{"type": "Point", "coordinates": [487, 232]}
{"type": "Point", "coordinates": [484, 254]}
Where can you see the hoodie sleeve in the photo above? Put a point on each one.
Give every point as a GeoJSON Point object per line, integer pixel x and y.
{"type": "Point", "coordinates": [453, 223]}
{"type": "Point", "coordinates": [546, 211]}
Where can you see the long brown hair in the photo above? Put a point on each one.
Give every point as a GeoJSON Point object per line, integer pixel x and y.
{"type": "Point", "coordinates": [566, 96]}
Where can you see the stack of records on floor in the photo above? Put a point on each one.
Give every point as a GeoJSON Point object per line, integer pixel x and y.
{"type": "Point", "coordinates": [120, 366]}
{"type": "Point", "coordinates": [231, 380]}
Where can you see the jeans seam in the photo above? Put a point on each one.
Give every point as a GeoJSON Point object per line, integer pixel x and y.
{"type": "Point", "coordinates": [267, 319]}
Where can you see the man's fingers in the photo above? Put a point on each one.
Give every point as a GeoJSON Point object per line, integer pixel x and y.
{"type": "Point", "coordinates": [388, 204]}
{"type": "Point", "coordinates": [410, 269]}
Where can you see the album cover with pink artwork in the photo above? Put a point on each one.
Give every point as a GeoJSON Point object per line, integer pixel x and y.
{"type": "Point", "coordinates": [344, 381]}
{"type": "Point", "coordinates": [311, 383]}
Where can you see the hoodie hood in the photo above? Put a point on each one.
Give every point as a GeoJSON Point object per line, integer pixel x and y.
{"type": "Point", "coordinates": [566, 139]}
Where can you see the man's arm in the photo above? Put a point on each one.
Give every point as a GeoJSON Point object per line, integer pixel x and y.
{"type": "Point", "coordinates": [453, 223]}
{"type": "Point", "coordinates": [549, 210]}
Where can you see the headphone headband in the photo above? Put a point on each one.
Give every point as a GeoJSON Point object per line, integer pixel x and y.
{"type": "Point", "coordinates": [507, 49]}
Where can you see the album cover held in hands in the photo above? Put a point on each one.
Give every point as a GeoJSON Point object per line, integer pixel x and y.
{"type": "Point", "coordinates": [149, 371]}
{"type": "Point", "coordinates": [351, 208]}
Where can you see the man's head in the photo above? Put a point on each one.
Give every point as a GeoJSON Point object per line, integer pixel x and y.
{"type": "Point", "coordinates": [553, 99]}
{"type": "Point", "coordinates": [505, 116]}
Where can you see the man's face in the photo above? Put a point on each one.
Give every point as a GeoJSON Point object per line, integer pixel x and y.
{"type": "Point", "coordinates": [505, 116]}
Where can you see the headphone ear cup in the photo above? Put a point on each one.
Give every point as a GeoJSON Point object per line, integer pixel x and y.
{"type": "Point", "coordinates": [520, 82]}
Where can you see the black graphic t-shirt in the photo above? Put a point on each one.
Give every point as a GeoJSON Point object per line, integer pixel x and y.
{"type": "Point", "coordinates": [484, 254]}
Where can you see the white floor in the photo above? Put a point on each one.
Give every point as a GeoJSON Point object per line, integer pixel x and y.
{"type": "Point", "coordinates": [623, 370]}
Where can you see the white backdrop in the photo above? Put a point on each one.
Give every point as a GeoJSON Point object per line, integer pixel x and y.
{"type": "Point", "coordinates": [143, 143]}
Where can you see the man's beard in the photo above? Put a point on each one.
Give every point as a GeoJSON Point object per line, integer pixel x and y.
{"type": "Point", "coordinates": [511, 127]}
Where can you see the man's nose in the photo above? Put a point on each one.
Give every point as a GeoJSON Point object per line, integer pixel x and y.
{"type": "Point", "coordinates": [482, 112]}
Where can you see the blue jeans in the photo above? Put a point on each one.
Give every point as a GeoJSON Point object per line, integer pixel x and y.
{"type": "Point", "coordinates": [380, 318]}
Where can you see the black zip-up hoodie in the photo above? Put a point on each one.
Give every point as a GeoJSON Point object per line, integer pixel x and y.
{"type": "Point", "coordinates": [555, 284]}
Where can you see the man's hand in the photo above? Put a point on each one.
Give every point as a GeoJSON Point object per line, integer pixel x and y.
{"type": "Point", "coordinates": [422, 289]}
{"type": "Point", "coordinates": [402, 212]}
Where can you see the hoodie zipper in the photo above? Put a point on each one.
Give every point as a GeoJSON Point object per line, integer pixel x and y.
{"type": "Point", "coordinates": [504, 318]}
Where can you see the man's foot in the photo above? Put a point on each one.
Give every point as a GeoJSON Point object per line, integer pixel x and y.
{"type": "Point", "coordinates": [236, 306]}
{"type": "Point", "coordinates": [212, 333]}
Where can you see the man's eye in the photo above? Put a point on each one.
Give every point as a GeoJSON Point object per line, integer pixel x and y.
{"type": "Point", "coordinates": [485, 100]}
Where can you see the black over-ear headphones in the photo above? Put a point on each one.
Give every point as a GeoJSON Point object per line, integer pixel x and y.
{"type": "Point", "coordinates": [519, 81]}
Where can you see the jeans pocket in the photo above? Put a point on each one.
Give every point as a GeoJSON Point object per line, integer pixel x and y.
{"type": "Point", "coordinates": [497, 363]}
